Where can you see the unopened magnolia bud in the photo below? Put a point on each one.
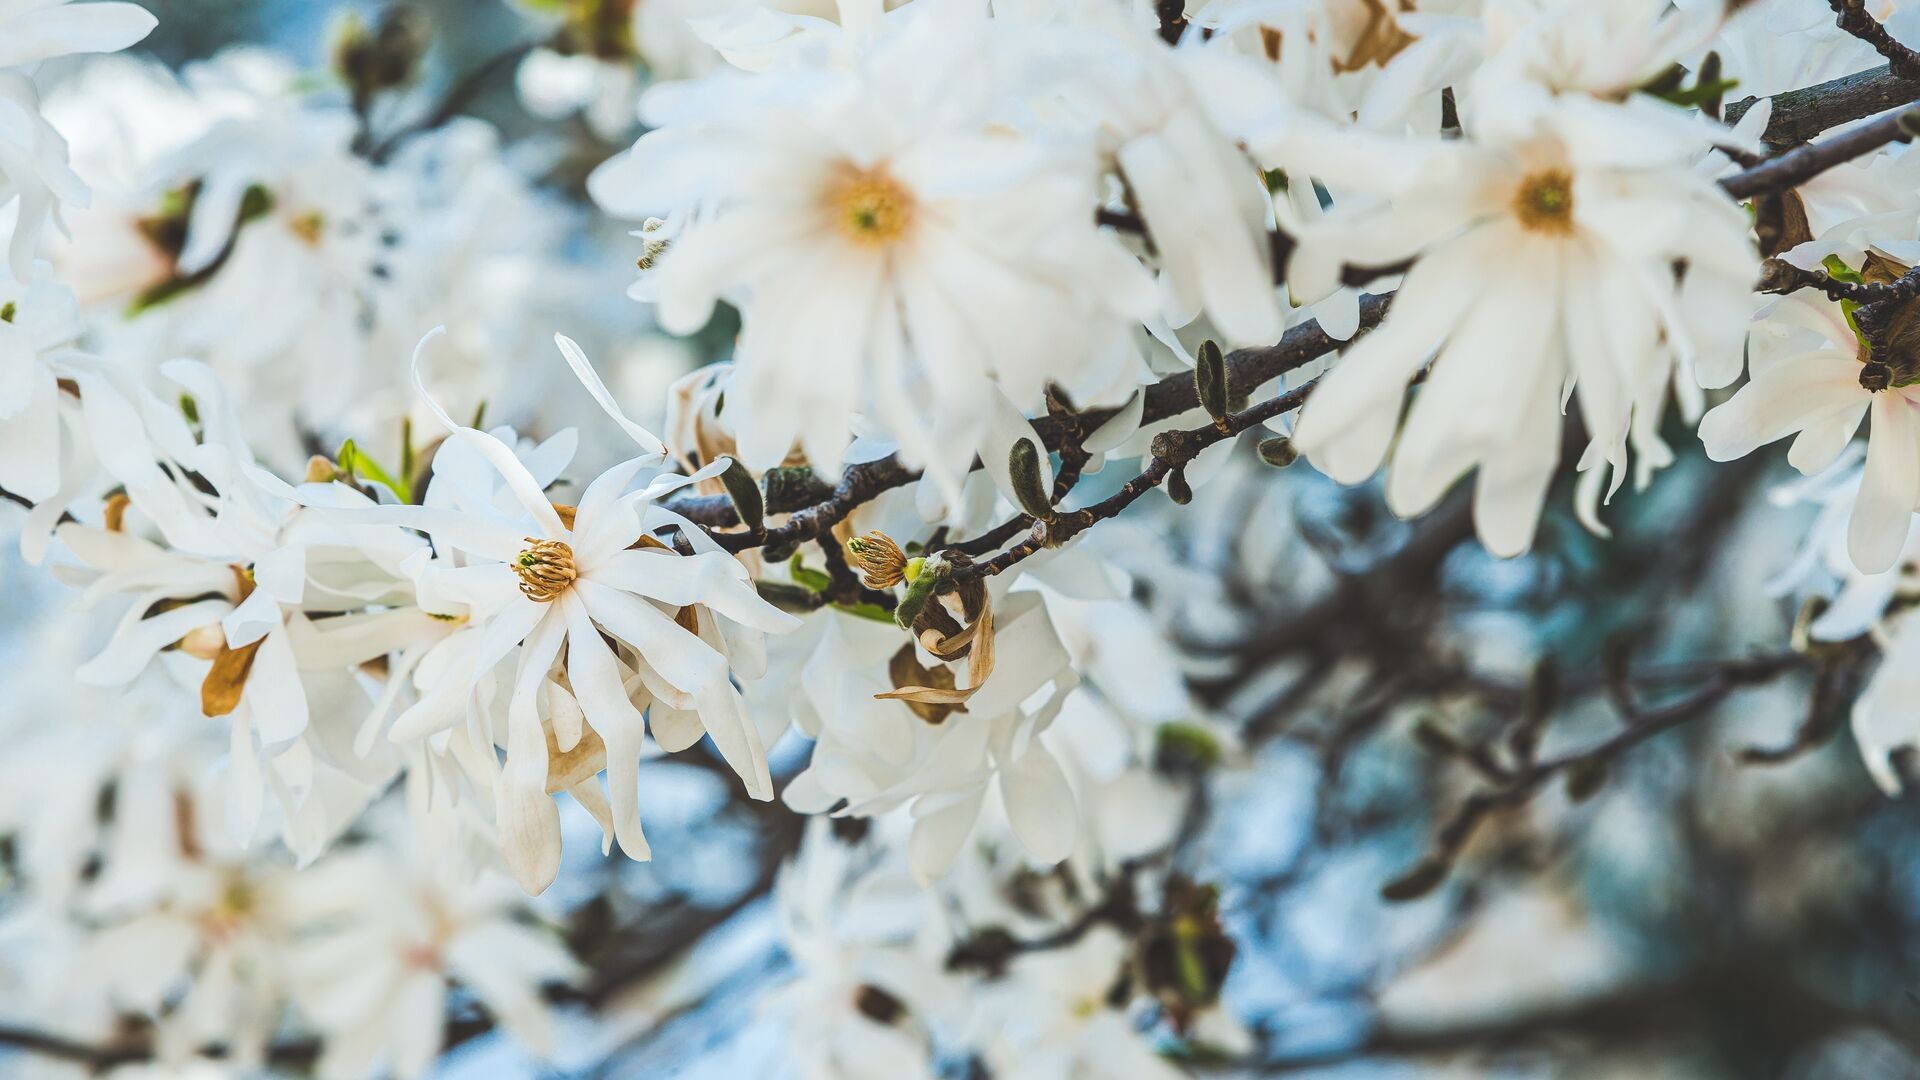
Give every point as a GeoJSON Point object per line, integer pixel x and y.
{"type": "Point", "coordinates": [383, 56]}
{"type": "Point", "coordinates": [1278, 452]}
{"type": "Point", "coordinates": [1029, 487]}
{"type": "Point", "coordinates": [745, 493]}
{"type": "Point", "coordinates": [1210, 380]}
{"type": "Point", "coordinates": [1177, 488]}
{"type": "Point", "coordinates": [1585, 777]}
{"type": "Point", "coordinates": [1425, 877]}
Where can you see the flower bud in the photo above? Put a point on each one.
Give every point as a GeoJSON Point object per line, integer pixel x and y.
{"type": "Point", "coordinates": [1029, 487]}
{"type": "Point", "coordinates": [1278, 452]}
{"type": "Point", "coordinates": [1210, 381]}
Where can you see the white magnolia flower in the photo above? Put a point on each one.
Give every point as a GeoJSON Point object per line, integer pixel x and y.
{"type": "Point", "coordinates": [386, 943]}
{"type": "Point", "coordinates": [1886, 718]}
{"type": "Point", "coordinates": [878, 754]}
{"type": "Point", "coordinates": [1167, 117]}
{"type": "Point", "coordinates": [38, 323]}
{"type": "Point", "coordinates": [607, 626]}
{"type": "Point", "coordinates": [1056, 1019]}
{"type": "Point", "coordinates": [1542, 262]}
{"type": "Point", "coordinates": [33, 156]}
{"type": "Point", "coordinates": [1370, 60]}
{"type": "Point", "coordinates": [860, 1005]}
{"type": "Point", "coordinates": [1810, 380]}
{"type": "Point", "coordinates": [1538, 50]}
{"type": "Point", "coordinates": [895, 251]}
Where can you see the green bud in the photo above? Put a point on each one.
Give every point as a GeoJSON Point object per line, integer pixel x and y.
{"type": "Point", "coordinates": [1584, 779]}
{"type": "Point", "coordinates": [1210, 380]}
{"type": "Point", "coordinates": [922, 587]}
{"type": "Point", "coordinates": [1184, 748]}
{"type": "Point", "coordinates": [1177, 488]}
{"type": "Point", "coordinates": [383, 56]}
{"type": "Point", "coordinates": [1426, 876]}
{"type": "Point", "coordinates": [1435, 739]}
{"type": "Point", "coordinates": [1029, 487]}
{"type": "Point", "coordinates": [1278, 452]}
{"type": "Point", "coordinates": [745, 493]}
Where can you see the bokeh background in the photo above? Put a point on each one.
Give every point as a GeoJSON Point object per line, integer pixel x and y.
{"type": "Point", "coordinates": [1683, 910]}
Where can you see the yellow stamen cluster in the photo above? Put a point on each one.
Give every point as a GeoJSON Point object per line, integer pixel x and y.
{"type": "Point", "coordinates": [655, 246]}
{"type": "Point", "coordinates": [546, 570]}
{"type": "Point", "coordinates": [869, 205]}
{"type": "Point", "coordinates": [881, 563]}
{"type": "Point", "coordinates": [1544, 203]}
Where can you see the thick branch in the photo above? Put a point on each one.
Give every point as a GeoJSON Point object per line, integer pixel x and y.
{"type": "Point", "coordinates": [1796, 167]}
{"type": "Point", "coordinates": [1800, 115]}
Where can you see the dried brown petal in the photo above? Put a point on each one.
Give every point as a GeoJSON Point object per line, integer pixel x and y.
{"type": "Point", "coordinates": [220, 691]}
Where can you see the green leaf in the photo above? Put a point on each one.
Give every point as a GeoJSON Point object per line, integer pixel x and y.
{"type": "Point", "coordinates": [1182, 747]}
{"type": "Point", "coordinates": [359, 465]}
{"type": "Point", "coordinates": [813, 580]}
{"type": "Point", "coordinates": [867, 611]}
{"type": "Point", "coordinates": [1840, 271]}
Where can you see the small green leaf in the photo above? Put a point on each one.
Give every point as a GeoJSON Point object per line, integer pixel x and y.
{"type": "Point", "coordinates": [1180, 747]}
{"type": "Point", "coordinates": [922, 587]}
{"type": "Point", "coordinates": [359, 465]}
{"type": "Point", "coordinates": [811, 579]}
{"type": "Point", "coordinates": [867, 611]}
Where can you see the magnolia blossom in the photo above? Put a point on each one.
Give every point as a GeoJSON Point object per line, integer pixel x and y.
{"type": "Point", "coordinates": [374, 974]}
{"type": "Point", "coordinates": [1541, 262]}
{"type": "Point", "coordinates": [1810, 379]}
{"type": "Point", "coordinates": [1884, 719]}
{"type": "Point", "coordinates": [858, 1007]}
{"type": "Point", "coordinates": [895, 253]}
{"type": "Point", "coordinates": [1372, 60]}
{"type": "Point", "coordinates": [593, 605]}
{"type": "Point", "coordinates": [879, 753]}
{"type": "Point", "coordinates": [33, 156]}
{"type": "Point", "coordinates": [1059, 1020]}
{"type": "Point", "coordinates": [36, 321]}
{"type": "Point", "coordinates": [1168, 116]}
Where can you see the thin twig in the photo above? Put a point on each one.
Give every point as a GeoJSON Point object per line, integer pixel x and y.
{"type": "Point", "coordinates": [1853, 18]}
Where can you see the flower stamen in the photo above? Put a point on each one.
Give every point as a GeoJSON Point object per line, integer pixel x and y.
{"type": "Point", "coordinates": [1545, 202]}
{"type": "Point", "coordinates": [869, 205]}
{"type": "Point", "coordinates": [881, 563]}
{"type": "Point", "coordinates": [546, 570]}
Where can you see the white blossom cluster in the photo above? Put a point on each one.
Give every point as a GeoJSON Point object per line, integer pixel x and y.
{"type": "Point", "coordinates": [358, 622]}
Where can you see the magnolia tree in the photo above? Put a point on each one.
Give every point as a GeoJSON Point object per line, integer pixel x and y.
{"type": "Point", "coordinates": [1097, 545]}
